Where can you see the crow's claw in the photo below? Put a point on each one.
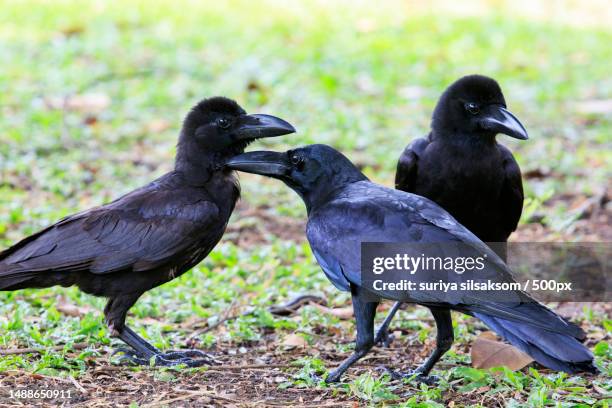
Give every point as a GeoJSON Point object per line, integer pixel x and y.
{"type": "Point", "coordinates": [334, 376]}
{"type": "Point", "coordinates": [131, 358]}
{"type": "Point", "coordinates": [413, 376]}
{"type": "Point", "coordinates": [172, 358]}
{"type": "Point", "coordinates": [383, 338]}
{"type": "Point", "coordinates": [185, 357]}
{"type": "Point", "coordinates": [172, 355]}
{"type": "Point", "coordinates": [315, 378]}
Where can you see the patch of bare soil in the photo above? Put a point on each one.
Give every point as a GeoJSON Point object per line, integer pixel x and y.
{"type": "Point", "coordinates": [256, 225]}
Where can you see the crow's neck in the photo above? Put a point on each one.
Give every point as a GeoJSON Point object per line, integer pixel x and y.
{"type": "Point", "coordinates": [325, 191]}
{"type": "Point", "coordinates": [197, 164]}
{"type": "Point", "coordinates": [465, 140]}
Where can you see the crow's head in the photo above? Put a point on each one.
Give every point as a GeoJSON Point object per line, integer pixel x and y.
{"type": "Point", "coordinates": [220, 126]}
{"type": "Point", "coordinates": [474, 106]}
{"type": "Point", "coordinates": [313, 171]}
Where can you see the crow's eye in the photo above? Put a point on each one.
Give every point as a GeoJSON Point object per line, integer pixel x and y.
{"type": "Point", "coordinates": [472, 108]}
{"type": "Point", "coordinates": [297, 161]}
{"type": "Point", "coordinates": [224, 123]}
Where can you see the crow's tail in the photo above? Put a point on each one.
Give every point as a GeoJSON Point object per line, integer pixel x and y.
{"type": "Point", "coordinates": [33, 262]}
{"type": "Point", "coordinates": [556, 347]}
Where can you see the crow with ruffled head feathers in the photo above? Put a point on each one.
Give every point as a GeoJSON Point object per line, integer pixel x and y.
{"type": "Point", "coordinates": [151, 235]}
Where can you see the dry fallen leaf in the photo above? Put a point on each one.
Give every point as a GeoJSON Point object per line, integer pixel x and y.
{"type": "Point", "coordinates": [158, 126]}
{"type": "Point", "coordinates": [488, 351]}
{"type": "Point", "coordinates": [294, 340]}
{"type": "Point", "coordinates": [601, 390]}
{"type": "Point", "coordinates": [70, 309]}
{"type": "Point", "coordinates": [340, 312]}
{"type": "Point", "coordinates": [85, 103]}
{"type": "Point", "coordinates": [72, 30]}
{"type": "Point", "coordinates": [571, 310]}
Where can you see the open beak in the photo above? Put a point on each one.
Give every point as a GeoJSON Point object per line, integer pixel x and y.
{"type": "Point", "coordinates": [266, 163]}
{"type": "Point", "coordinates": [257, 126]}
{"type": "Point", "coordinates": [500, 120]}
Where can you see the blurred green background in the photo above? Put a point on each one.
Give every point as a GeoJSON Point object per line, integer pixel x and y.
{"type": "Point", "coordinates": [92, 95]}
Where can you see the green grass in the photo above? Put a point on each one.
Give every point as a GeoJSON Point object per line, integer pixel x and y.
{"type": "Point", "coordinates": [363, 78]}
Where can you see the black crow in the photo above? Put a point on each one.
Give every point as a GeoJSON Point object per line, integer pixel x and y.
{"type": "Point", "coordinates": [153, 234]}
{"type": "Point", "coordinates": [461, 167]}
{"type": "Point", "coordinates": [345, 209]}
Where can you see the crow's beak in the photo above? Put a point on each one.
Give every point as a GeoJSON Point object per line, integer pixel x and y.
{"type": "Point", "coordinates": [266, 163]}
{"type": "Point", "coordinates": [259, 125]}
{"type": "Point", "coordinates": [500, 120]}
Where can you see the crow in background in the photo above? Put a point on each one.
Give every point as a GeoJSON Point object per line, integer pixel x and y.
{"type": "Point", "coordinates": [345, 209]}
{"type": "Point", "coordinates": [153, 234]}
{"type": "Point", "coordinates": [461, 167]}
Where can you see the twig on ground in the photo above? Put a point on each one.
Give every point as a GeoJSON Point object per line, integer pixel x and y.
{"type": "Point", "coordinates": [75, 346]}
{"type": "Point", "coordinates": [289, 308]}
{"type": "Point", "coordinates": [224, 317]}
{"type": "Point", "coordinates": [77, 385]}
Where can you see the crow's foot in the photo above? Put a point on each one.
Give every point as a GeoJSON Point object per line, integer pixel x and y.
{"type": "Point", "coordinates": [415, 375]}
{"type": "Point", "coordinates": [334, 376]}
{"type": "Point", "coordinates": [383, 338]}
{"type": "Point", "coordinates": [190, 358]}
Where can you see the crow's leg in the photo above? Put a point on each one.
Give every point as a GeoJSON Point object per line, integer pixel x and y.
{"type": "Point", "coordinates": [145, 353]}
{"type": "Point", "coordinates": [364, 317]}
{"type": "Point", "coordinates": [141, 351]}
{"type": "Point", "coordinates": [444, 341]}
{"type": "Point", "coordinates": [382, 335]}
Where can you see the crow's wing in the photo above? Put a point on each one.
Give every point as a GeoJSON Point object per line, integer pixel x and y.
{"type": "Point", "coordinates": [141, 231]}
{"type": "Point", "coordinates": [511, 198]}
{"type": "Point", "coordinates": [367, 212]}
{"type": "Point", "coordinates": [408, 164]}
